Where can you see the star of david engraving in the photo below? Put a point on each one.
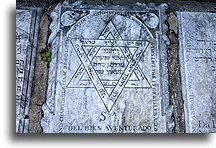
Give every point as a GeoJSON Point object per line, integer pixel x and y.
{"type": "Point", "coordinates": [90, 74]}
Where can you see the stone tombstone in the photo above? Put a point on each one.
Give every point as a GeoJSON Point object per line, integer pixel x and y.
{"type": "Point", "coordinates": [108, 72]}
{"type": "Point", "coordinates": [197, 62]}
{"type": "Point", "coordinates": [27, 25]}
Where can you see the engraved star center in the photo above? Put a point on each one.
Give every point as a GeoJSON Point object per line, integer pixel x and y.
{"type": "Point", "coordinates": [109, 65]}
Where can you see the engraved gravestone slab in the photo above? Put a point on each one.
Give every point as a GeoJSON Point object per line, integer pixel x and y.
{"type": "Point", "coordinates": [108, 73]}
{"type": "Point", "coordinates": [27, 21]}
{"type": "Point", "coordinates": [197, 62]}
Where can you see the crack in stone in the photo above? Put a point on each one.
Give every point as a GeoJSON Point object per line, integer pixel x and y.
{"type": "Point", "coordinates": [40, 84]}
{"type": "Point", "coordinates": [175, 88]}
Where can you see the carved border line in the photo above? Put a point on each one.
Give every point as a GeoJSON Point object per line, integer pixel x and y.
{"type": "Point", "coordinates": [49, 106]}
{"type": "Point", "coordinates": [29, 70]}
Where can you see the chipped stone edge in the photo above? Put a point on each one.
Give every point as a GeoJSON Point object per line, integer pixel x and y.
{"type": "Point", "coordinates": [183, 64]}
{"type": "Point", "coordinates": [49, 107]}
{"type": "Point", "coordinates": [167, 108]}
{"type": "Point", "coordinates": [29, 74]}
{"type": "Point", "coordinates": [182, 70]}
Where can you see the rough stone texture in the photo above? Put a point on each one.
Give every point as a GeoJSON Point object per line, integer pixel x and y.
{"type": "Point", "coordinates": [175, 90]}
{"type": "Point", "coordinates": [107, 74]}
{"type": "Point", "coordinates": [35, 115]}
{"type": "Point", "coordinates": [40, 79]}
{"type": "Point", "coordinates": [175, 3]}
{"type": "Point", "coordinates": [197, 61]}
{"type": "Point", "coordinates": [173, 23]}
{"type": "Point", "coordinates": [27, 20]}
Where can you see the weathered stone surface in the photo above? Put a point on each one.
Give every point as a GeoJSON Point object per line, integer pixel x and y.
{"type": "Point", "coordinates": [41, 68]}
{"type": "Point", "coordinates": [175, 88]}
{"type": "Point", "coordinates": [40, 79]}
{"type": "Point", "coordinates": [109, 72]}
{"type": "Point", "coordinates": [197, 60]}
{"type": "Point", "coordinates": [26, 41]}
{"type": "Point", "coordinates": [35, 115]}
{"type": "Point", "coordinates": [173, 23]}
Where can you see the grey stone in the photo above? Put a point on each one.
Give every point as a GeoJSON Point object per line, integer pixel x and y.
{"type": "Point", "coordinates": [27, 20]}
{"type": "Point", "coordinates": [41, 68]}
{"type": "Point", "coordinates": [108, 72]}
{"type": "Point", "coordinates": [39, 87]}
{"type": "Point", "coordinates": [35, 115]}
{"type": "Point", "coordinates": [173, 23]}
{"type": "Point", "coordinates": [197, 61]}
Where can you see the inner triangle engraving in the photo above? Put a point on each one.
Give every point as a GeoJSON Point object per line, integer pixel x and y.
{"type": "Point", "coordinates": [109, 65]}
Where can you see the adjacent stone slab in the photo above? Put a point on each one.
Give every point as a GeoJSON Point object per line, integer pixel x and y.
{"type": "Point", "coordinates": [27, 21]}
{"type": "Point", "coordinates": [108, 72]}
{"type": "Point", "coordinates": [197, 61]}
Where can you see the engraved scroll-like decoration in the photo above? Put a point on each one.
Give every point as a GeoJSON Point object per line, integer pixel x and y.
{"type": "Point", "coordinates": [69, 18]}
{"type": "Point", "coordinates": [150, 19]}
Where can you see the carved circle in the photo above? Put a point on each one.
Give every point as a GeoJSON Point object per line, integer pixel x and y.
{"type": "Point", "coordinates": [68, 18]}
{"type": "Point", "coordinates": [150, 19]}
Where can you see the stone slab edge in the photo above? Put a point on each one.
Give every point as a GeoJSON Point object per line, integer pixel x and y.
{"type": "Point", "coordinates": [49, 107]}
{"type": "Point", "coordinates": [28, 78]}
{"type": "Point", "coordinates": [182, 70]}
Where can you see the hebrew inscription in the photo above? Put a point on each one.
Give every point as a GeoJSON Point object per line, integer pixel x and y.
{"type": "Point", "coordinates": [109, 72]}
{"type": "Point", "coordinates": [197, 59]}
{"type": "Point", "coordinates": [112, 65]}
{"type": "Point", "coordinates": [26, 29]}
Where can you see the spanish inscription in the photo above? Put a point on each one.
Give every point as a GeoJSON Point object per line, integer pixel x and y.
{"type": "Point", "coordinates": [197, 56]}
{"type": "Point", "coordinates": [108, 78]}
